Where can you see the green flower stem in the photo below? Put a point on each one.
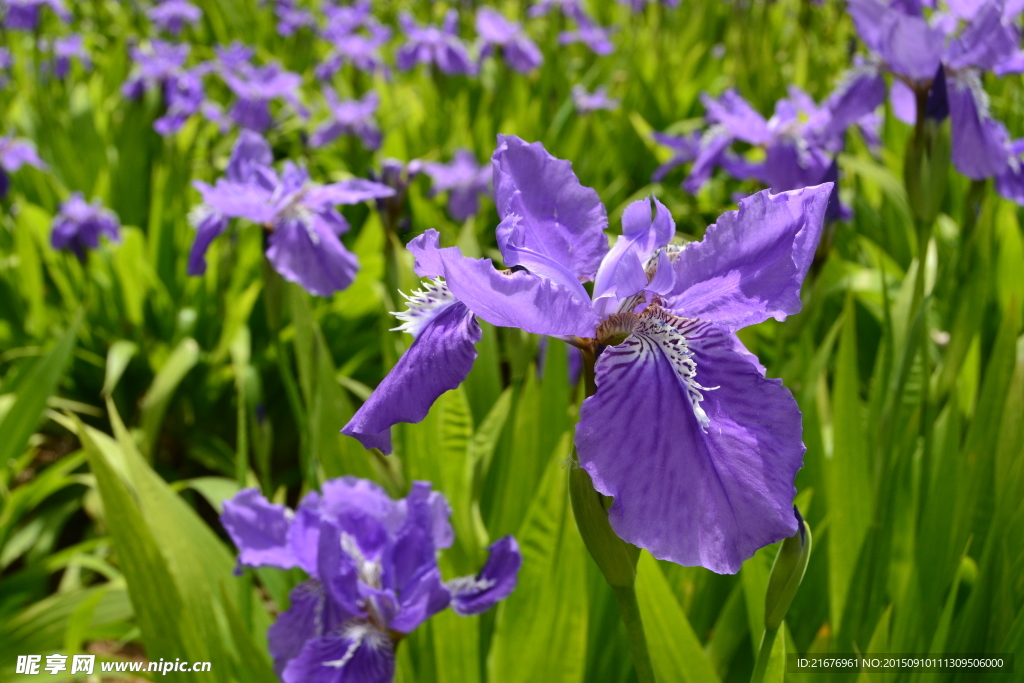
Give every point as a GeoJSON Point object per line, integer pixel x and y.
{"type": "Point", "coordinates": [764, 655]}
{"type": "Point", "coordinates": [629, 610]}
{"type": "Point", "coordinates": [614, 557]}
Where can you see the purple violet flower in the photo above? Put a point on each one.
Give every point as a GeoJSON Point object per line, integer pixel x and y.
{"type": "Point", "coordinates": [67, 48]}
{"type": "Point", "coordinates": [15, 153]}
{"type": "Point", "coordinates": [173, 15]}
{"type": "Point", "coordinates": [698, 449]}
{"type": "Point", "coordinates": [302, 224]}
{"type": "Point", "coordinates": [154, 63]}
{"type": "Point", "coordinates": [942, 61]}
{"type": "Point", "coordinates": [569, 8]}
{"type": "Point", "coordinates": [463, 179]}
{"type": "Point", "coordinates": [24, 15]}
{"type": "Point", "coordinates": [434, 45]}
{"type": "Point", "coordinates": [373, 574]}
{"type": "Point", "coordinates": [362, 50]}
{"type": "Point", "coordinates": [78, 226]}
{"type": "Point", "coordinates": [349, 117]}
{"type": "Point", "coordinates": [520, 53]}
{"type": "Point", "coordinates": [587, 102]}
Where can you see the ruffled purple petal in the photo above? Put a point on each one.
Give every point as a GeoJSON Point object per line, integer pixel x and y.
{"type": "Point", "coordinates": [703, 480]}
{"type": "Point", "coordinates": [439, 360]}
{"type": "Point", "coordinates": [309, 253]}
{"type": "Point", "coordinates": [303, 621]}
{"type": "Point", "coordinates": [359, 653]}
{"type": "Point", "coordinates": [751, 263]}
{"type": "Point", "coordinates": [495, 582]}
{"type": "Point", "coordinates": [561, 219]}
{"type": "Point", "coordinates": [259, 530]}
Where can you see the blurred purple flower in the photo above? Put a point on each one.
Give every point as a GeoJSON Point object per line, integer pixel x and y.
{"type": "Point", "coordinates": [373, 574]}
{"type": "Point", "coordinates": [342, 31]}
{"type": "Point", "coordinates": [520, 53]}
{"type": "Point", "coordinates": [587, 102]}
{"type": "Point", "coordinates": [173, 15]}
{"type": "Point", "coordinates": [154, 63]}
{"type": "Point", "coordinates": [639, 5]}
{"type": "Point", "coordinates": [433, 45]}
{"type": "Point", "coordinates": [349, 117]}
{"type": "Point", "coordinates": [397, 175]}
{"type": "Point", "coordinates": [463, 179]}
{"type": "Point", "coordinates": [942, 61]}
{"type": "Point", "coordinates": [6, 62]}
{"type": "Point", "coordinates": [291, 18]}
{"type": "Point", "coordinates": [15, 153]}
{"type": "Point", "coordinates": [255, 87]}
{"type": "Point", "coordinates": [685, 148]}
{"type": "Point", "coordinates": [569, 8]}
{"type": "Point", "coordinates": [707, 478]}
{"type": "Point", "coordinates": [78, 226]}
{"type": "Point", "coordinates": [184, 96]}
{"type": "Point", "coordinates": [588, 32]}
{"type": "Point", "coordinates": [67, 48]}
{"type": "Point", "coordinates": [302, 224]}
{"type": "Point", "coordinates": [24, 15]}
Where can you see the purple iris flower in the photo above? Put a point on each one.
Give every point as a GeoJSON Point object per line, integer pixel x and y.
{"type": "Point", "coordinates": [588, 32]}
{"type": "Point", "coordinates": [520, 53]}
{"type": "Point", "coordinates": [15, 153]}
{"type": "Point", "coordinates": [154, 63]}
{"type": "Point", "coordinates": [67, 48]}
{"type": "Point", "coordinates": [290, 19]}
{"type": "Point", "coordinates": [349, 117]}
{"type": "Point", "coordinates": [434, 45]}
{"type": "Point", "coordinates": [697, 447]}
{"type": "Point", "coordinates": [184, 95]}
{"type": "Point", "coordinates": [302, 224]}
{"type": "Point", "coordinates": [24, 15]}
{"type": "Point", "coordinates": [78, 226]}
{"type": "Point", "coordinates": [373, 574]}
{"type": "Point", "coordinates": [587, 102]}
{"type": "Point", "coordinates": [463, 179]}
{"type": "Point", "coordinates": [800, 141]}
{"type": "Point", "coordinates": [255, 87]}
{"type": "Point", "coordinates": [356, 37]}
{"type": "Point", "coordinates": [943, 62]}
{"type": "Point", "coordinates": [173, 15]}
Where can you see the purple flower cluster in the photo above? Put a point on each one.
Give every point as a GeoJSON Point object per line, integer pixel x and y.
{"type": "Point", "coordinates": [697, 447]}
{"type": "Point", "coordinates": [938, 64]}
{"type": "Point", "coordinates": [372, 563]}
{"type": "Point", "coordinates": [67, 48]}
{"type": "Point", "coordinates": [15, 153]}
{"type": "Point", "coordinates": [303, 226]}
{"type": "Point", "coordinates": [799, 142]}
{"type": "Point", "coordinates": [160, 65]}
{"type": "Point", "coordinates": [79, 225]}
{"type": "Point", "coordinates": [255, 87]}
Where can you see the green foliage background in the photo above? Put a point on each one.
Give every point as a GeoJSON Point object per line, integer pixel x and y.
{"type": "Point", "coordinates": [135, 399]}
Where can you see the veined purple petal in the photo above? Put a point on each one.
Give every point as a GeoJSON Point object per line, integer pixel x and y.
{"type": "Point", "coordinates": [495, 582]}
{"type": "Point", "coordinates": [561, 219]}
{"type": "Point", "coordinates": [511, 233]}
{"type": "Point", "coordinates": [439, 360]}
{"type": "Point", "coordinates": [980, 143]}
{"type": "Point", "coordinates": [751, 263]}
{"type": "Point", "coordinates": [303, 621]}
{"type": "Point", "coordinates": [259, 529]}
{"type": "Point", "coordinates": [698, 449]}
{"type": "Point", "coordinates": [308, 253]}
{"type": "Point", "coordinates": [360, 653]}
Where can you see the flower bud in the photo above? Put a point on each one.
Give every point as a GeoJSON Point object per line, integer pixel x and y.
{"type": "Point", "coordinates": [787, 573]}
